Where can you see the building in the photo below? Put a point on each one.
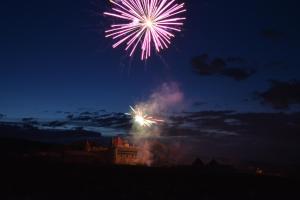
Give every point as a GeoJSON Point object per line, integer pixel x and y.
{"type": "Point", "coordinates": [90, 147]}
{"type": "Point", "coordinates": [123, 152]}
{"type": "Point", "coordinates": [120, 152]}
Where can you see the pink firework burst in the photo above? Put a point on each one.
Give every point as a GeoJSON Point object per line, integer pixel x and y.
{"type": "Point", "coordinates": [146, 22]}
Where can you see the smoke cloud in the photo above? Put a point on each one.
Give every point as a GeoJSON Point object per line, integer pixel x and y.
{"type": "Point", "coordinates": [164, 99]}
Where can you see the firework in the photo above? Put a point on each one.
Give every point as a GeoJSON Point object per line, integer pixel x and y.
{"type": "Point", "coordinates": [142, 119]}
{"type": "Point", "coordinates": [146, 22]}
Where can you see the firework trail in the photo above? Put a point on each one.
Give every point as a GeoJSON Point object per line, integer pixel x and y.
{"type": "Point", "coordinates": [141, 118]}
{"type": "Point", "coordinates": [146, 22]}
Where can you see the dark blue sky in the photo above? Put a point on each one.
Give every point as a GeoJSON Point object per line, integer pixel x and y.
{"type": "Point", "coordinates": [53, 56]}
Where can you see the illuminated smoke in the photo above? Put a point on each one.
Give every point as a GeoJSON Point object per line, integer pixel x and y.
{"type": "Point", "coordinates": [160, 102]}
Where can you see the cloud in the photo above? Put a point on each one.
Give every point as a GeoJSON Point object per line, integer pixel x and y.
{"type": "Point", "coordinates": [224, 124]}
{"type": "Point", "coordinates": [239, 136]}
{"type": "Point", "coordinates": [56, 123]}
{"type": "Point", "coordinates": [30, 121]}
{"type": "Point", "coordinates": [203, 66]}
{"type": "Point", "coordinates": [113, 122]}
{"type": "Point", "coordinates": [109, 120]}
{"type": "Point", "coordinates": [218, 66]}
{"type": "Point", "coordinates": [199, 103]}
{"type": "Point", "coordinates": [267, 137]}
{"type": "Point", "coordinates": [237, 60]}
{"type": "Point", "coordinates": [281, 95]}
{"type": "Point", "coordinates": [245, 135]}
{"type": "Point", "coordinates": [238, 74]}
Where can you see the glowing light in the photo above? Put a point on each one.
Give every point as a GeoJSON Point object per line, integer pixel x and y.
{"type": "Point", "coordinates": [142, 119]}
{"type": "Point", "coordinates": [147, 22]}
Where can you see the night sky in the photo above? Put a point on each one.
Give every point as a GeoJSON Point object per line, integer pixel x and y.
{"type": "Point", "coordinates": [54, 56]}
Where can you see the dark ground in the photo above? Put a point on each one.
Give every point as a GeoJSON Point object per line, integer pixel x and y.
{"type": "Point", "coordinates": [38, 171]}
{"type": "Point", "coordinates": [44, 180]}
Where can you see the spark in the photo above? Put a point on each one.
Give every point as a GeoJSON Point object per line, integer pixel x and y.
{"type": "Point", "coordinates": [142, 119]}
{"type": "Point", "coordinates": [147, 22]}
